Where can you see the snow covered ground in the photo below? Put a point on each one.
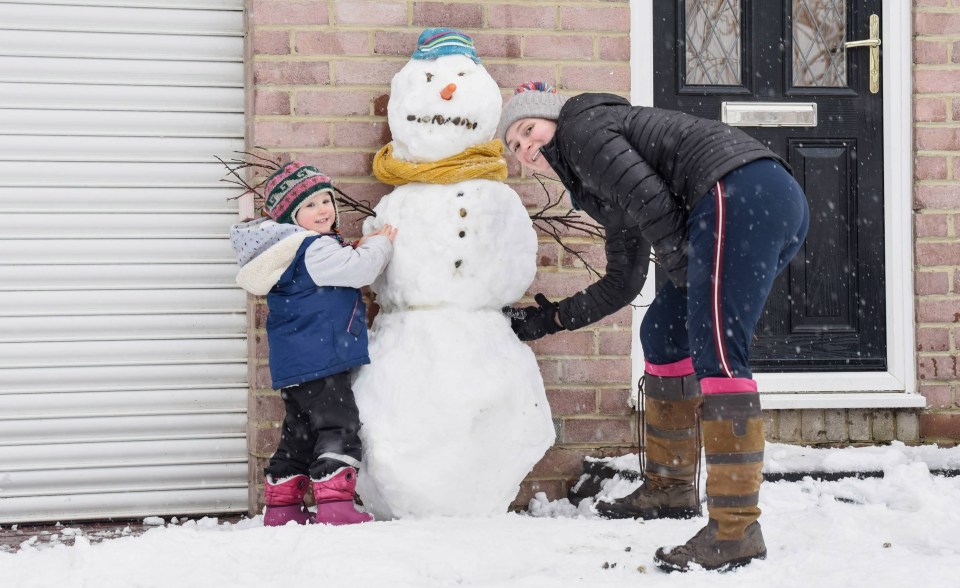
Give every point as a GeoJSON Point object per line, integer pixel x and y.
{"type": "Point", "coordinates": [902, 529]}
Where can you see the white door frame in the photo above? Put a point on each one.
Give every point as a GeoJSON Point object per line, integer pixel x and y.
{"type": "Point", "coordinates": [897, 386]}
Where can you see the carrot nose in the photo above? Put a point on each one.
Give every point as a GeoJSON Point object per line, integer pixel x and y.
{"type": "Point", "coordinates": [447, 92]}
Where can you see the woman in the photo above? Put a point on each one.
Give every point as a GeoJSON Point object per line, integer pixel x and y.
{"type": "Point", "coordinates": [724, 217]}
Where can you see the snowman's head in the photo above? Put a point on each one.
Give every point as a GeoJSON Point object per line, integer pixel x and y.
{"type": "Point", "coordinates": [443, 100]}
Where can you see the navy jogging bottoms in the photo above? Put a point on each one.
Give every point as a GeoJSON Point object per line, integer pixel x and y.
{"type": "Point", "coordinates": [741, 236]}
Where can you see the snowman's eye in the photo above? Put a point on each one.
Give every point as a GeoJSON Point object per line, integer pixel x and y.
{"type": "Point", "coordinates": [461, 74]}
{"type": "Point", "coordinates": [429, 77]}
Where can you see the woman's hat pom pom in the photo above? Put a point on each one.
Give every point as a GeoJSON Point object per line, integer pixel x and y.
{"type": "Point", "coordinates": [535, 87]}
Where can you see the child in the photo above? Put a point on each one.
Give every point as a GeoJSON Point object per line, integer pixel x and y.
{"type": "Point", "coordinates": [724, 217]}
{"type": "Point", "coordinates": [317, 333]}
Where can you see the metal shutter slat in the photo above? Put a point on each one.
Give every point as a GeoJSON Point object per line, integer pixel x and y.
{"type": "Point", "coordinates": [119, 19]}
{"type": "Point", "coordinates": [121, 454]}
{"type": "Point", "coordinates": [24, 381]}
{"type": "Point", "coordinates": [119, 200]}
{"type": "Point", "coordinates": [39, 69]}
{"type": "Point", "coordinates": [84, 328]}
{"type": "Point", "coordinates": [117, 97]}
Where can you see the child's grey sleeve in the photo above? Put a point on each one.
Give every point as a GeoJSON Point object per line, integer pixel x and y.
{"type": "Point", "coordinates": [331, 264]}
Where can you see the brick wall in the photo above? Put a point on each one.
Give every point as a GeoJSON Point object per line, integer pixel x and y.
{"type": "Point", "coordinates": [319, 75]}
{"type": "Point", "coordinates": [937, 214]}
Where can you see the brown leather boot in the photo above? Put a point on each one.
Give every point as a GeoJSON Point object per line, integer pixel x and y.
{"type": "Point", "coordinates": [733, 440]}
{"type": "Point", "coordinates": [672, 452]}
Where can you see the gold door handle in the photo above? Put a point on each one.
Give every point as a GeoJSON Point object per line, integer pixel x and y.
{"type": "Point", "coordinates": [874, 44]}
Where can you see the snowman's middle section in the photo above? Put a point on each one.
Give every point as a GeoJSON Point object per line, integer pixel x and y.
{"type": "Point", "coordinates": [469, 245]}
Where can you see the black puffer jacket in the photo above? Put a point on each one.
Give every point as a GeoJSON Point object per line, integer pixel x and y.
{"type": "Point", "coordinates": [644, 167]}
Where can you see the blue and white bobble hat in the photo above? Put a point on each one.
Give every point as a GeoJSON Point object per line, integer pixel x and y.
{"type": "Point", "coordinates": [439, 41]}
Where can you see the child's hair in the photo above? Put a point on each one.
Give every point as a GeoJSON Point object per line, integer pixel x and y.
{"type": "Point", "coordinates": [530, 100]}
{"type": "Point", "coordinates": [290, 186]}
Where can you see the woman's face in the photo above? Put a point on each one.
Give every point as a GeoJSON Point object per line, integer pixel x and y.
{"type": "Point", "coordinates": [526, 136]}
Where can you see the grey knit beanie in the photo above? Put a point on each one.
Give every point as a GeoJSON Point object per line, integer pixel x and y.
{"type": "Point", "coordinates": [530, 100]}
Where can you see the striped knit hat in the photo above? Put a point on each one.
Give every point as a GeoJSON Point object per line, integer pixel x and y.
{"type": "Point", "coordinates": [530, 100]}
{"type": "Point", "coordinates": [438, 41]}
{"type": "Point", "coordinates": [288, 187]}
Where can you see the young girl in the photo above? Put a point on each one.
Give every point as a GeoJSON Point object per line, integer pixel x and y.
{"type": "Point", "coordinates": [724, 217]}
{"type": "Point", "coordinates": [317, 332]}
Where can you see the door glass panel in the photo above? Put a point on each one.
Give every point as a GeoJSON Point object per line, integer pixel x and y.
{"type": "Point", "coordinates": [713, 36]}
{"type": "Point", "coordinates": [819, 30]}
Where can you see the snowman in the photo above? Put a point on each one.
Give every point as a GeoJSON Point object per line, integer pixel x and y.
{"type": "Point", "coordinates": [453, 407]}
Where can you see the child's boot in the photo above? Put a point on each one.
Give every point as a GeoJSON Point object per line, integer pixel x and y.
{"type": "Point", "coordinates": [334, 497]}
{"type": "Point", "coordinates": [284, 500]}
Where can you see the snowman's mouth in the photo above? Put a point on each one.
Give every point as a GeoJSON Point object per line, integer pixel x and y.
{"type": "Point", "coordinates": [439, 119]}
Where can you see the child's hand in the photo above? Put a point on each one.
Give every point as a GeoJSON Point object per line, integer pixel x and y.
{"type": "Point", "coordinates": [388, 231]}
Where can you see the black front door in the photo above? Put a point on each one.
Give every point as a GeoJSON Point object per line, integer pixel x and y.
{"type": "Point", "coordinates": [827, 311]}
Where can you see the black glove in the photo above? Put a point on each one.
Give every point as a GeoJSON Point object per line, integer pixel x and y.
{"type": "Point", "coordinates": [533, 322]}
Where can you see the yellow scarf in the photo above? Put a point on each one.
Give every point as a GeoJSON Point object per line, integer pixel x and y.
{"type": "Point", "coordinates": [483, 161]}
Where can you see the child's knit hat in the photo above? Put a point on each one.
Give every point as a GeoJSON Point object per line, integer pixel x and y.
{"type": "Point", "coordinates": [530, 100]}
{"type": "Point", "coordinates": [288, 187]}
{"type": "Point", "coordinates": [439, 41]}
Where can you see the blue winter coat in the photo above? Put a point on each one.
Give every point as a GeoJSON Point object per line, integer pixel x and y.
{"type": "Point", "coordinates": [317, 321]}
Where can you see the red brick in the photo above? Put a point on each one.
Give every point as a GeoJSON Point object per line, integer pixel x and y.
{"type": "Point", "coordinates": [930, 168]}
{"type": "Point", "coordinates": [590, 253]}
{"type": "Point", "coordinates": [939, 311]}
{"type": "Point", "coordinates": [533, 195]}
{"type": "Point", "coordinates": [548, 253]}
{"type": "Point", "coordinates": [560, 461]}
{"type": "Point", "coordinates": [936, 23]}
{"type": "Point", "coordinates": [595, 78]}
{"type": "Point", "coordinates": [294, 134]}
{"type": "Point", "coordinates": [615, 48]}
{"type": "Point", "coordinates": [596, 371]}
{"type": "Point", "coordinates": [591, 430]}
{"type": "Point", "coordinates": [615, 402]}
{"type": "Point", "coordinates": [369, 192]}
{"type": "Point", "coordinates": [271, 42]}
{"type": "Point", "coordinates": [919, 3]}
{"type": "Point", "coordinates": [511, 75]}
{"type": "Point", "coordinates": [362, 12]}
{"type": "Point", "coordinates": [938, 396]}
{"type": "Point", "coordinates": [936, 197]}
{"type": "Point", "coordinates": [332, 43]}
{"type": "Point", "coordinates": [263, 440]}
{"type": "Point", "coordinates": [511, 16]}
{"type": "Point", "coordinates": [936, 81]}
{"type": "Point", "coordinates": [557, 285]}
{"type": "Point", "coordinates": [339, 164]}
{"type": "Point", "coordinates": [944, 425]}
{"type": "Point", "coordinates": [266, 407]}
{"type": "Point", "coordinates": [554, 489]}
{"type": "Point", "coordinates": [616, 342]}
{"type": "Point", "coordinates": [935, 254]}
{"type": "Point", "coordinates": [497, 45]}
{"type": "Point", "coordinates": [334, 103]}
{"type": "Point", "coordinates": [622, 318]}
{"type": "Point", "coordinates": [930, 225]}
{"type": "Point", "coordinates": [930, 109]}
{"type": "Point", "coordinates": [933, 340]}
{"type": "Point", "coordinates": [397, 43]}
{"type": "Point", "coordinates": [291, 72]}
{"type": "Point", "coordinates": [572, 402]}
{"type": "Point", "coordinates": [279, 12]}
{"type": "Point", "coordinates": [932, 283]}
{"type": "Point", "coordinates": [361, 134]}
{"type": "Point", "coordinates": [262, 379]}
{"type": "Point", "coordinates": [942, 367]}
{"type": "Point", "coordinates": [366, 73]}
{"type": "Point", "coordinates": [929, 52]}
{"type": "Point", "coordinates": [596, 19]}
{"type": "Point", "coordinates": [549, 371]}
{"type": "Point", "coordinates": [271, 102]}
{"type": "Point", "coordinates": [441, 14]}
{"type": "Point", "coordinates": [937, 139]}
{"type": "Point", "coordinates": [565, 343]}
{"type": "Point", "coordinates": [956, 52]}
{"type": "Point", "coordinates": [956, 110]}
{"type": "Point", "coordinates": [558, 47]}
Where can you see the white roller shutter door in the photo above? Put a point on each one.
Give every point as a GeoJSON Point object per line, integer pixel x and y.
{"type": "Point", "coordinates": [123, 376]}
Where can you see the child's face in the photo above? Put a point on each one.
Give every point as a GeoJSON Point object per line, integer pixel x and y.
{"type": "Point", "coordinates": [317, 213]}
{"type": "Point", "coordinates": [526, 136]}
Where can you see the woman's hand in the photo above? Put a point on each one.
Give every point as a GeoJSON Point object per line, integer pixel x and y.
{"type": "Point", "coordinates": [533, 322]}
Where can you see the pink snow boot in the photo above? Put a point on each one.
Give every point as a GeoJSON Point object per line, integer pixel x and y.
{"type": "Point", "coordinates": [334, 496]}
{"type": "Point", "coordinates": [284, 499]}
